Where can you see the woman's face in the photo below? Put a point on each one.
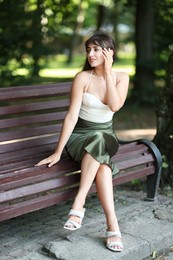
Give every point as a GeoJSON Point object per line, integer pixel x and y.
{"type": "Point", "coordinates": [94, 55]}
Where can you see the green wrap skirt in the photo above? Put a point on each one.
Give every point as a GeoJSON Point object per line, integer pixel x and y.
{"type": "Point", "coordinates": [97, 139]}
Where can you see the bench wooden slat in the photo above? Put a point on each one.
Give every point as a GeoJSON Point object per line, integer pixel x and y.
{"type": "Point", "coordinates": [33, 151]}
{"type": "Point", "coordinates": [36, 188]}
{"type": "Point", "coordinates": [32, 120]}
{"type": "Point", "coordinates": [36, 106]}
{"type": "Point", "coordinates": [135, 162]}
{"type": "Point", "coordinates": [133, 174]}
{"type": "Point", "coordinates": [20, 180]}
{"type": "Point", "coordinates": [29, 167]}
{"type": "Point", "coordinates": [36, 204]}
{"type": "Point", "coordinates": [65, 166]}
{"type": "Point", "coordinates": [28, 144]}
{"type": "Point", "coordinates": [130, 153]}
{"type": "Point", "coordinates": [28, 133]}
{"type": "Point", "coordinates": [21, 92]}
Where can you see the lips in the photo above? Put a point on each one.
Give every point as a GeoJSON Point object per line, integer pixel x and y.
{"type": "Point", "coordinates": [91, 60]}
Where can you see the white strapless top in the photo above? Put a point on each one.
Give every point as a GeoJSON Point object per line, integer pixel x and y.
{"type": "Point", "coordinates": [94, 110]}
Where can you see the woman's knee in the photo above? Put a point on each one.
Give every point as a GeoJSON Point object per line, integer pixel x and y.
{"type": "Point", "coordinates": [89, 161]}
{"type": "Point", "coordinates": [104, 174]}
{"type": "Point", "coordinates": [104, 169]}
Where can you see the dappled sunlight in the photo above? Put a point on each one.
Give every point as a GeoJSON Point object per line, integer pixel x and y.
{"type": "Point", "coordinates": [71, 72]}
{"type": "Point", "coordinates": [130, 70]}
{"type": "Point", "coordinates": [26, 139]}
{"type": "Point", "coordinates": [133, 134]}
{"type": "Point", "coordinates": [58, 67]}
{"type": "Point", "coordinates": [58, 73]}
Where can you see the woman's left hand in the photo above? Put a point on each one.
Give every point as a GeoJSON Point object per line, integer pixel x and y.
{"type": "Point", "coordinates": [108, 56]}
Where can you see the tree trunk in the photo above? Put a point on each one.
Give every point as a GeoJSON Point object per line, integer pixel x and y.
{"type": "Point", "coordinates": [164, 136]}
{"type": "Point", "coordinates": [37, 39]}
{"type": "Point", "coordinates": [77, 26]}
{"type": "Point", "coordinates": [144, 77]}
{"type": "Point", "coordinates": [101, 16]}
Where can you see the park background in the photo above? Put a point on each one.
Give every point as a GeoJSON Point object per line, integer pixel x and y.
{"type": "Point", "coordinates": [43, 42]}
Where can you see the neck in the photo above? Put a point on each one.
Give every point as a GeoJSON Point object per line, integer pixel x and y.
{"type": "Point", "coordinates": [99, 73]}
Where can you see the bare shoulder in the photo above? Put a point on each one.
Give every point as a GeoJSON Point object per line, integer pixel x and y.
{"type": "Point", "coordinates": [121, 76]}
{"type": "Point", "coordinates": [82, 77]}
{"type": "Point", "coordinates": [80, 81]}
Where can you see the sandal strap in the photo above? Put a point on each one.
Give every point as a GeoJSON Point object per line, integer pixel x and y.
{"type": "Point", "coordinates": [77, 213]}
{"type": "Point", "coordinates": [115, 246]}
{"type": "Point", "coordinates": [112, 244]}
{"type": "Point", "coordinates": [113, 233]}
{"type": "Point", "coordinates": [72, 223]}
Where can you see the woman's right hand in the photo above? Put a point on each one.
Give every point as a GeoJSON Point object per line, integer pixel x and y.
{"type": "Point", "coordinates": [50, 161]}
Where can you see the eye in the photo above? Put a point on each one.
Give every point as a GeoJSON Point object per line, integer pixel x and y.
{"type": "Point", "coordinates": [88, 50]}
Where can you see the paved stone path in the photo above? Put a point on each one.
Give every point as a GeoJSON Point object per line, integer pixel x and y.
{"type": "Point", "coordinates": [146, 227]}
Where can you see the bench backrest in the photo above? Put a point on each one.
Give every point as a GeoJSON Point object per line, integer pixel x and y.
{"type": "Point", "coordinates": [31, 117]}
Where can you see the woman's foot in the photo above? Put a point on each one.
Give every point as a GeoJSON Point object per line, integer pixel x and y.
{"type": "Point", "coordinates": [75, 219]}
{"type": "Point", "coordinates": [113, 241]}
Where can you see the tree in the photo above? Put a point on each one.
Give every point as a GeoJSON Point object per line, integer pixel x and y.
{"type": "Point", "coordinates": [153, 34]}
{"type": "Point", "coordinates": [164, 136]}
{"type": "Point", "coordinates": [144, 41]}
{"type": "Point", "coordinates": [76, 29]}
{"type": "Point", "coordinates": [11, 35]}
{"type": "Point", "coordinates": [21, 38]}
{"type": "Point", "coordinates": [33, 29]}
{"type": "Point", "coordinates": [163, 36]}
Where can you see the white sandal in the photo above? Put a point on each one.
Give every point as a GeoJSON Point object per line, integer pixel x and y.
{"type": "Point", "coordinates": [71, 224]}
{"type": "Point", "coordinates": [115, 246]}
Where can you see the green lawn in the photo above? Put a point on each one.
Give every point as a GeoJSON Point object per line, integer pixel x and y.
{"type": "Point", "coordinates": [57, 67]}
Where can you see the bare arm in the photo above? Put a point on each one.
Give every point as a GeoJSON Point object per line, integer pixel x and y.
{"type": "Point", "coordinates": [69, 121]}
{"type": "Point", "coordinates": [116, 83]}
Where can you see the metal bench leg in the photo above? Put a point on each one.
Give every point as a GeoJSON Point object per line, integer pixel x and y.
{"type": "Point", "coordinates": [153, 181]}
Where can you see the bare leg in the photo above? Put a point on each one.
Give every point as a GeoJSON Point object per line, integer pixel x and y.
{"type": "Point", "coordinates": [105, 192]}
{"type": "Point", "coordinates": [89, 168]}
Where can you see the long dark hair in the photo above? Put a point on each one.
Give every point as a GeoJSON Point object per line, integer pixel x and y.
{"type": "Point", "coordinates": [101, 39]}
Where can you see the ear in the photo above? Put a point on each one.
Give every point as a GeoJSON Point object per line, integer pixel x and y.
{"type": "Point", "coordinates": [112, 52]}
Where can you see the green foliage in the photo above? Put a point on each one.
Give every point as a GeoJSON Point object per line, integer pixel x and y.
{"type": "Point", "coordinates": [21, 37]}
{"type": "Point", "coordinates": [165, 162]}
{"type": "Point", "coordinates": [163, 34]}
{"type": "Point", "coordinates": [32, 30]}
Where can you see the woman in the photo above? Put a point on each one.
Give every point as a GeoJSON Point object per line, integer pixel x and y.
{"type": "Point", "coordinates": [87, 133]}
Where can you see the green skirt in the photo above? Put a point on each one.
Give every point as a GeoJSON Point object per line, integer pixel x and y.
{"type": "Point", "coordinates": [97, 139]}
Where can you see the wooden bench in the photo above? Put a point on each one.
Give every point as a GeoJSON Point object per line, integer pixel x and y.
{"type": "Point", "coordinates": [30, 122]}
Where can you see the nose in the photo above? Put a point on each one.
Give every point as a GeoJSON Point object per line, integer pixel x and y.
{"type": "Point", "coordinates": [91, 53]}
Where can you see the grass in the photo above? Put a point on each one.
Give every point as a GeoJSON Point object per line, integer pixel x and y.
{"type": "Point", "coordinates": [135, 117]}
{"type": "Point", "coordinates": [56, 68]}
